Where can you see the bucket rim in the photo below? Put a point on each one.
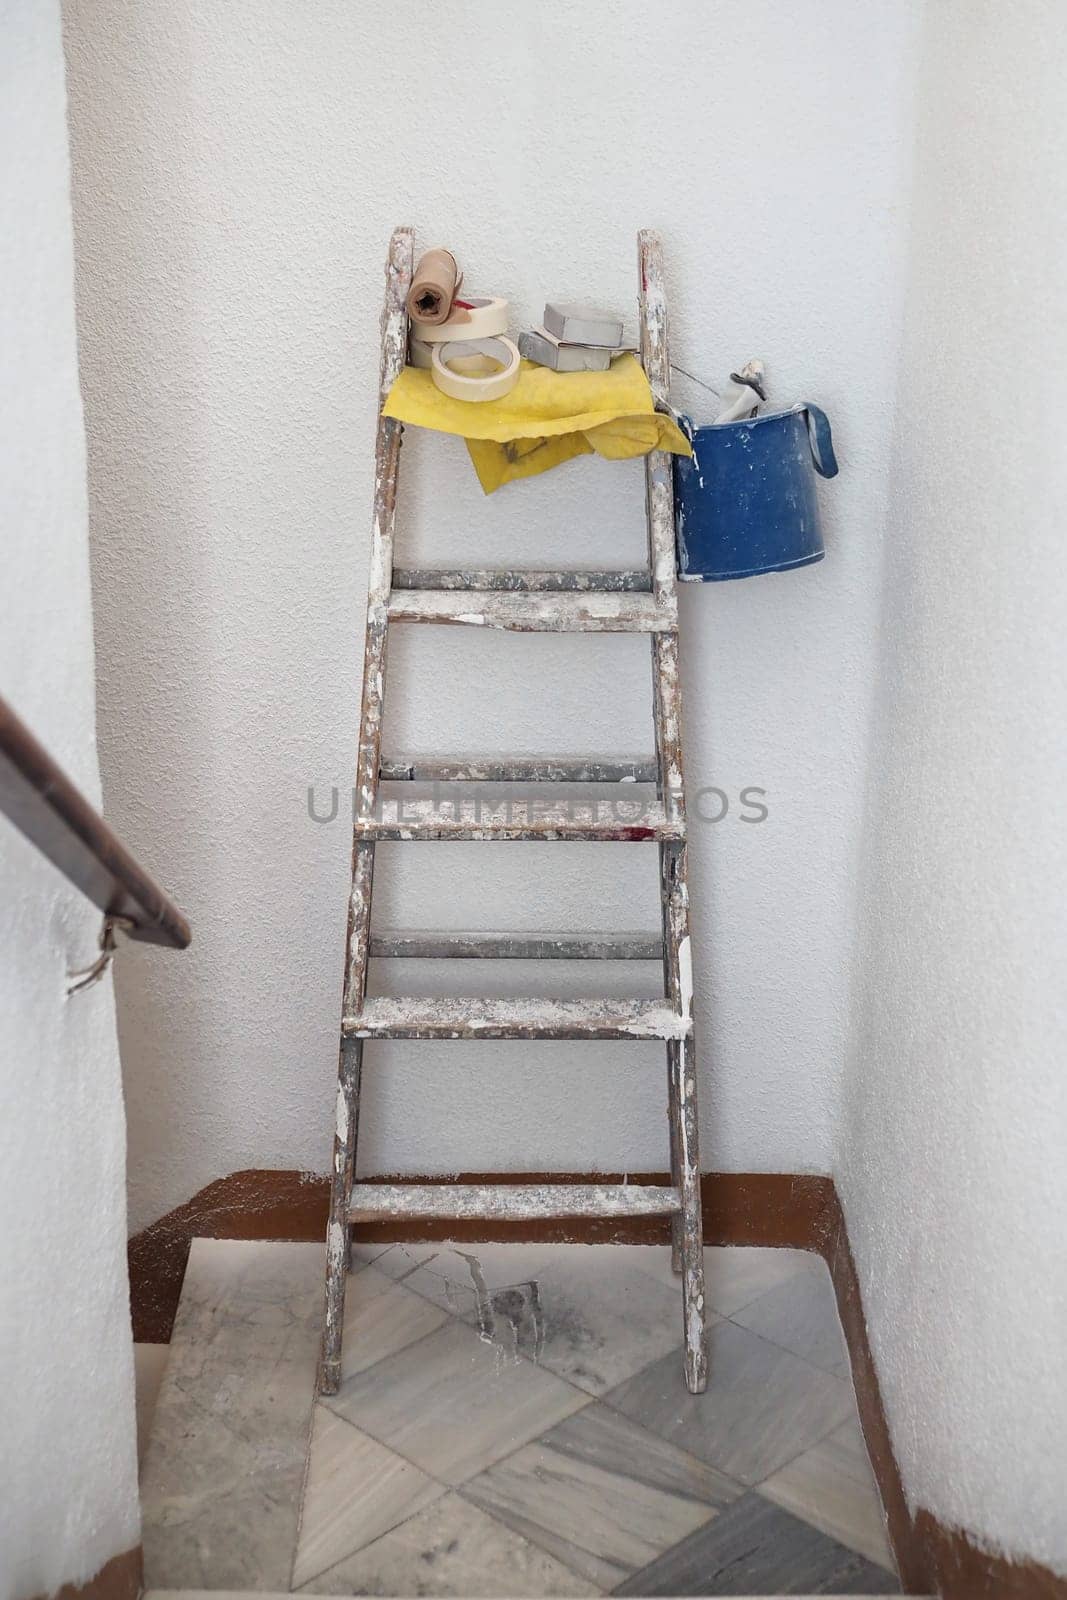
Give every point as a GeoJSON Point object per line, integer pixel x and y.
{"type": "Point", "coordinates": [747, 422]}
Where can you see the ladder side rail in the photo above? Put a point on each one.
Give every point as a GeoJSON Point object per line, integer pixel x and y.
{"type": "Point", "coordinates": [656, 361]}
{"type": "Point", "coordinates": [394, 326]}
{"type": "Point", "coordinates": [659, 503]}
{"type": "Point", "coordinates": [686, 1225]}
{"type": "Point", "coordinates": [655, 357]}
{"type": "Point", "coordinates": [398, 273]}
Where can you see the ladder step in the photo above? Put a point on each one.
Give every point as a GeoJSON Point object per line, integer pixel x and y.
{"type": "Point", "coordinates": [536, 612]}
{"type": "Point", "coordinates": [515, 1202]}
{"type": "Point", "coordinates": [432, 946]}
{"type": "Point", "coordinates": [601, 820]}
{"type": "Point", "coordinates": [528, 769]}
{"type": "Point", "coordinates": [418, 1017]}
{"type": "Point", "coordinates": [611, 582]}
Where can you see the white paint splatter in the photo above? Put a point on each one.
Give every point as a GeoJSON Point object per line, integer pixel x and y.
{"type": "Point", "coordinates": [685, 976]}
{"type": "Point", "coordinates": [337, 1241]}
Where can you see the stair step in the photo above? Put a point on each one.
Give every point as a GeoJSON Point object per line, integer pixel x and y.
{"type": "Point", "coordinates": [536, 612]}
{"type": "Point", "coordinates": [495, 818]}
{"type": "Point", "coordinates": [419, 1017]}
{"type": "Point", "coordinates": [149, 1368]}
{"type": "Point", "coordinates": [515, 1202]}
{"type": "Point", "coordinates": [242, 1331]}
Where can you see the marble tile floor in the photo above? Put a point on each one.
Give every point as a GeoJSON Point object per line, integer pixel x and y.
{"type": "Point", "coordinates": [150, 1362]}
{"type": "Point", "coordinates": [512, 1420]}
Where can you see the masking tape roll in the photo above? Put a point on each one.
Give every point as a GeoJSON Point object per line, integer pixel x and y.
{"type": "Point", "coordinates": [489, 386]}
{"type": "Point", "coordinates": [485, 319]}
{"type": "Point", "coordinates": [420, 354]}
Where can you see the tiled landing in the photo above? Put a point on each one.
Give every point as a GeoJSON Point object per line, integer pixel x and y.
{"type": "Point", "coordinates": [221, 1478]}
{"type": "Point", "coordinates": [512, 1421]}
{"type": "Point", "coordinates": [150, 1363]}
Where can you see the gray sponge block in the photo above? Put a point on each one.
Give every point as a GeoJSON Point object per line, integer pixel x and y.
{"type": "Point", "coordinates": [582, 324]}
{"type": "Point", "coordinates": [537, 346]}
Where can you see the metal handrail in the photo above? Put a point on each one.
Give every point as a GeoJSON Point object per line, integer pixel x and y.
{"type": "Point", "coordinates": [43, 803]}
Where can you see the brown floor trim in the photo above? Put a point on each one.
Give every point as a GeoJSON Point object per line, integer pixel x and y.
{"type": "Point", "coordinates": [964, 1571]}
{"type": "Point", "coordinates": [254, 1204]}
{"type": "Point", "coordinates": [931, 1558]}
{"type": "Point", "coordinates": [776, 1209]}
{"type": "Point", "coordinates": [914, 1572]}
{"type": "Point", "coordinates": [122, 1578]}
{"type": "Point", "coordinates": [763, 1208]}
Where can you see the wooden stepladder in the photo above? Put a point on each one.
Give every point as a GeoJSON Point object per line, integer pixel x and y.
{"type": "Point", "coordinates": [589, 602]}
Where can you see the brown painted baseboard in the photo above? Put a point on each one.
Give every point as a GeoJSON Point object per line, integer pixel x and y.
{"type": "Point", "coordinates": [838, 1255]}
{"type": "Point", "coordinates": [764, 1208]}
{"type": "Point", "coordinates": [775, 1209]}
{"type": "Point", "coordinates": [964, 1571]}
{"type": "Point", "coordinates": [121, 1578]}
{"type": "Point", "coordinates": [931, 1557]}
{"type": "Point", "coordinates": [255, 1204]}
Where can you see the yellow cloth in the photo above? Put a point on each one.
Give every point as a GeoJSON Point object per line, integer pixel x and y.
{"type": "Point", "coordinates": [547, 418]}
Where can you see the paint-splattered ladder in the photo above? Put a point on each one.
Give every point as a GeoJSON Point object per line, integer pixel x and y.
{"type": "Point", "coordinates": [593, 602]}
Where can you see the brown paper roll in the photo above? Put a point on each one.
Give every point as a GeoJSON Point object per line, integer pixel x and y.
{"type": "Point", "coordinates": [433, 287]}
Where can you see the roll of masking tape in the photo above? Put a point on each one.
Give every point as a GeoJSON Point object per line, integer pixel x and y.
{"type": "Point", "coordinates": [468, 385]}
{"type": "Point", "coordinates": [483, 320]}
{"type": "Point", "coordinates": [420, 354]}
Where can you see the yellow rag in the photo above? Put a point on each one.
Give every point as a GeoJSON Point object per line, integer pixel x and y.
{"type": "Point", "coordinates": [547, 418]}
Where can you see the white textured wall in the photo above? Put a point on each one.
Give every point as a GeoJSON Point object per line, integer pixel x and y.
{"type": "Point", "coordinates": [238, 169]}
{"type": "Point", "coordinates": [952, 1167]}
{"type": "Point", "coordinates": [68, 1468]}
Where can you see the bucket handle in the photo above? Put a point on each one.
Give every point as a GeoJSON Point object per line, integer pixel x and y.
{"type": "Point", "coordinates": [819, 440]}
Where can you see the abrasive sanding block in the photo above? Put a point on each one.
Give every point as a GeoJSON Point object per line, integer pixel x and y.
{"type": "Point", "coordinates": [539, 346]}
{"type": "Point", "coordinates": [581, 324]}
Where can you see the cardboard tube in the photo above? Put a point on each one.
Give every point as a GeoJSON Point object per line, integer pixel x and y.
{"type": "Point", "coordinates": [433, 287]}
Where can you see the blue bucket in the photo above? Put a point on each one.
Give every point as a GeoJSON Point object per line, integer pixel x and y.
{"type": "Point", "coordinates": [744, 502]}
